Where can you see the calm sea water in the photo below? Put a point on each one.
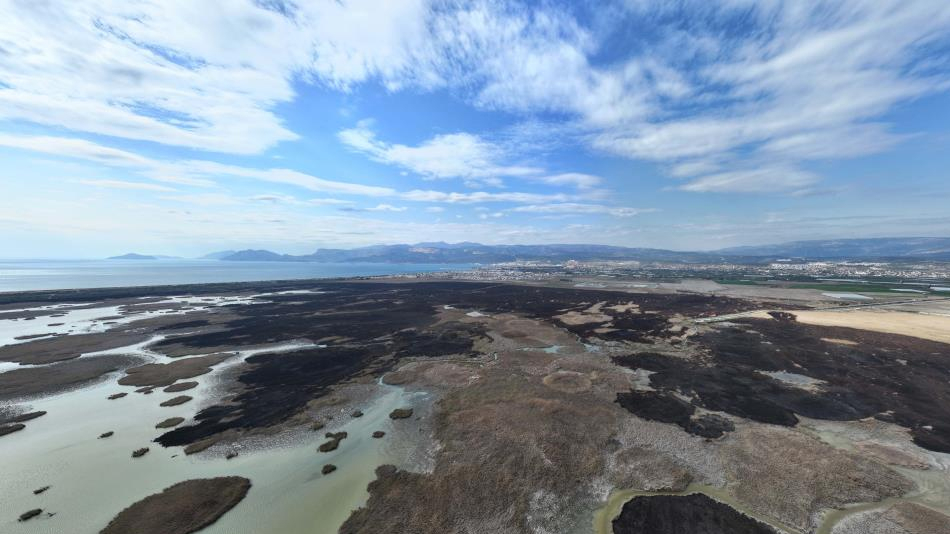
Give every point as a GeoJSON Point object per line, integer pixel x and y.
{"type": "Point", "coordinates": [26, 275]}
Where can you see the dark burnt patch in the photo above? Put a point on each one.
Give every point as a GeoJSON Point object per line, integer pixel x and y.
{"type": "Point", "coordinates": [198, 323]}
{"type": "Point", "coordinates": [666, 408]}
{"type": "Point", "coordinates": [367, 327]}
{"type": "Point", "coordinates": [654, 406]}
{"type": "Point", "coordinates": [783, 316]}
{"type": "Point", "coordinates": [628, 326]}
{"type": "Point", "coordinates": [357, 311]}
{"type": "Point", "coordinates": [278, 387]}
{"type": "Point", "coordinates": [440, 340]}
{"type": "Point", "coordinates": [688, 514]}
{"type": "Point", "coordinates": [898, 378]}
{"type": "Point", "coordinates": [709, 426]}
{"type": "Point", "coordinates": [650, 322]}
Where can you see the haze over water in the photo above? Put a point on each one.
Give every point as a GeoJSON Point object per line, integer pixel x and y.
{"type": "Point", "coordinates": [31, 275]}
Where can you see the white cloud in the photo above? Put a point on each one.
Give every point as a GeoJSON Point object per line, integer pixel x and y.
{"type": "Point", "coordinates": [768, 179]}
{"type": "Point", "coordinates": [378, 207]}
{"type": "Point", "coordinates": [205, 199]}
{"type": "Point", "coordinates": [802, 85]}
{"type": "Point", "coordinates": [210, 75]}
{"type": "Point", "coordinates": [847, 141]}
{"type": "Point", "coordinates": [103, 155]}
{"type": "Point", "coordinates": [456, 155]}
{"type": "Point", "coordinates": [724, 106]}
{"type": "Point", "coordinates": [536, 60]}
{"type": "Point", "coordinates": [121, 184]}
{"type": "Point", "coordinates": [327, 202]}
{"type": "Point", "coordinates": [387, 207]}
{"type": "Point", "coordinates": [435, 209]}
{"type": "Point", "coordinates": [578, 180]}
{"type": "Point", "coordinates": [420, 195]}
{"type": "Point", "coordinates": [282, 176]}
{"type": "Point", "coordinates": [77, 148]}
{"type": "Point", "coordinates": [205, 172]}
{"type": "Point", "coordinates": [199, 74]}
{"type": "Point", "coordinates": [581, 209]}
{"type": "Point", "coordinates": [794, 83]}
{"type": "Point", "coordinates": [797, 82]}
{"type": "Point", "coordinates": [278, 198]}
{"type": "Point", "coordinates": [694, 167]}
{"type": "Point", "coordinates": [185, 172]}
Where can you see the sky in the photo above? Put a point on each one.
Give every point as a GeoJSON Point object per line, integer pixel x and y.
{"type": "Point", "coordinates": [182, 127]}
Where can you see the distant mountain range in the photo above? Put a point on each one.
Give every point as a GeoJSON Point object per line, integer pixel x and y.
{"type": "Point", "coordinates": [469, 253]}
{"type": "Point", "coordinates": [888, 248]}
{"type": "Point", "coordinates": [926, 248]}
{"type": "Point", "coordinates": [133, 256]}
{"type": "Point", "coordinates": [920, 248]}
{"type": "Point", "coordinates": [218, 255]}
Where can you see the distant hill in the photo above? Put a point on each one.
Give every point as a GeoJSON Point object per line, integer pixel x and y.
{"type": "Point", "coordinates": [218, 255]}
{"type": "Point", "coordinates": [471, 253]}
{"type": "Point", "coordinates": [923, 248]}
{"type": "Point", "coordinates": [133, 256]}
{"type": "Point", "coordinates": [917, 248]}
{"type": "Point", "coordinates": [257, 255]}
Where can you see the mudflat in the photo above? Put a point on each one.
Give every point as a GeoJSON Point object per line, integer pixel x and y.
{"type": "Point", "coordinates": [48, 379]}
{"type": "Point", "coordinates": [56, 349]}
{"type": "Point", "coordinates": [165, 374]}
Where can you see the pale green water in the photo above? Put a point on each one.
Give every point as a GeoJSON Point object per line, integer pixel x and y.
{"type": "Point", "coordinates": [933, 484]}
{"type": "Point", "coordinates": [94, 479]}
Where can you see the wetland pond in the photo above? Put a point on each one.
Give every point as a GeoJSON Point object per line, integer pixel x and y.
{"type": "Point", "coordinates": [92, 479]}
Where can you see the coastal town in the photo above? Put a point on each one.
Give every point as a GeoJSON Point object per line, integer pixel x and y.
{"type": "Point", "coordinates": [923, 277]}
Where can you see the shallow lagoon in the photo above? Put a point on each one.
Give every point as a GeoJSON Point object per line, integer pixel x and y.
{"type": "Point", "coordinates": [93, 479]}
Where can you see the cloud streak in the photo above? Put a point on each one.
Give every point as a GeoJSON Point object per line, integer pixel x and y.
{"type": "Point", "coordinates": [773, 79]}
{"type": "Point", "coordinates": [572, 208]}
{"type": "Point", "coordinates": [455, 155]}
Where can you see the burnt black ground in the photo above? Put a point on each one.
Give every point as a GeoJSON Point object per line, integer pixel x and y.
{"type": "Point", "coordinates": [663, 407]}
{"type": "Point", "coordinates": [689, 514]}
{"type": "Point", "coordinates": [367, 327]}
{"type": "Point", "coordinates": [666, 408]}
{"type": "Point", "coordinates": [279, 386]}
{"type": "Point", "coordinates": [863, 380]}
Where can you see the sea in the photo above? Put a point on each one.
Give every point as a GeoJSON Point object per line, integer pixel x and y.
{"type": "Point", "coordinates": [31, 275]}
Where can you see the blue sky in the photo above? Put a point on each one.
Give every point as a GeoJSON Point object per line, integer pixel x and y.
{"type": "Point", "coordinates": [187, 127]}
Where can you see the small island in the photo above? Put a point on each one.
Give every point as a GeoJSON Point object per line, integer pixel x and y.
{"type": "Point", "coordinates": [183, 508]}
{"type": "Point", "coordinates": [132, 256]}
